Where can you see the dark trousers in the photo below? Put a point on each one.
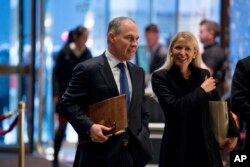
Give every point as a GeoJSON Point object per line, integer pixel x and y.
{"type": "Point", "coordinates": [109, 154]}
{"type": "Point", "coordinates": [59, 136]}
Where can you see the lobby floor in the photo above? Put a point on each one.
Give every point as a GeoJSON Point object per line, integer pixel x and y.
{"type": "Point", "coordinates": [67, 154]}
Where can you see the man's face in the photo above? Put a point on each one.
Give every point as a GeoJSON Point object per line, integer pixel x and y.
{"type": "Point", "coordinates": [151, 38]}
{"type": "Point", "coordinates": [124, 44]}
{"type": "Point", "coordinates": [205, 35]}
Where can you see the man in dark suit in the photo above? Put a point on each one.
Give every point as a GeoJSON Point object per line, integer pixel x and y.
{"type": "Point", "coordinates": [240, 96]}
{"type": "Point", "coordinates": [97, 79]}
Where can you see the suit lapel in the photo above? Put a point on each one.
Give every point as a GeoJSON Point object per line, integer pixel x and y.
{"type": "Point", "coordinates": [107, 75]}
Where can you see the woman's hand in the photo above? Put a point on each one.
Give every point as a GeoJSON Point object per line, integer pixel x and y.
{"type": "Point", "coordinates": [229, 144]}
{"type": "Point", "coordinates": [208, 85]}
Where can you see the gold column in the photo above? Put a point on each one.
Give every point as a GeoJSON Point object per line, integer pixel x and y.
{"type": "Point", "coordinates": [21, 155]}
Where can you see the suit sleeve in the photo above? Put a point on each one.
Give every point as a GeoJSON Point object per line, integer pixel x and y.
{"type": "Point", "coordinates": [56, 74]}
{"type": "Point", "coordinates": [240, 93]}
{"type": "Point", "coordinates": [72, 101]}
{"type": "Point", "coordinates": [145, 114]}
{"type": "Point", "coordinates": [144, 150]}
{"type": "Point", "coordinates": [233, 130]}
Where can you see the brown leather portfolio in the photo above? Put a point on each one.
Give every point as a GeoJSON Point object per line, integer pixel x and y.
{"type": "Point", "coordinates": [111, 112]}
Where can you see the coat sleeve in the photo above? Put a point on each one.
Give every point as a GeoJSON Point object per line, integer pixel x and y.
{"type": "Point", "coordinates": [56, 73]}
{"type": "Point", "coordinates": [164, 89]}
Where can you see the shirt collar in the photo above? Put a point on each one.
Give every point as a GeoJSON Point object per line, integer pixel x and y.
{"type": "Point", "coordinates": [113, 61]}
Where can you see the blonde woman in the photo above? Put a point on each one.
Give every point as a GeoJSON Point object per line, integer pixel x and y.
{"type": "Point", "coordinates": [183, 90]}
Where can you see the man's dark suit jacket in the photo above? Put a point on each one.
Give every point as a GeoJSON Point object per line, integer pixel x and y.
{"type": "Point", "coordinates": [240, 96]}
{"type": "Point", "coordinates": [92, 81]}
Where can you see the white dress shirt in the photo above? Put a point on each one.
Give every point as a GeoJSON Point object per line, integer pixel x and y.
{"type": "Point", "coordinates": [113, 61]}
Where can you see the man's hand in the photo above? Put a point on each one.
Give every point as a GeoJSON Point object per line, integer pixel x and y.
{"type": "Point", "coordinates": [96, 133]}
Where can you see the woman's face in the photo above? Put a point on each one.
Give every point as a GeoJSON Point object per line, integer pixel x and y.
{"type": "Point", "coordinates": [183, 52]}
{"type": "Point", "coordinates": [81, 40]}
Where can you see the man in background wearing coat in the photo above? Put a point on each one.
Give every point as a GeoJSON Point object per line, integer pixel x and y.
{"type": "Point", "coordinates": [240, 96]}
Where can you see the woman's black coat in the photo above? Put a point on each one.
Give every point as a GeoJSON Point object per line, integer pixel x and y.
{"type": "Point", "coordinates": [188, 138]}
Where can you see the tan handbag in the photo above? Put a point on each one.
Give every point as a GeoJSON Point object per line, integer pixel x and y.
{"type": "Point", "coordinates": [219, 118]}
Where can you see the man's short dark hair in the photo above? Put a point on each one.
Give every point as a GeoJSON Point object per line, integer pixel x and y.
{"type": "Point", "coordinates": [152, 28]}
{"type": "Point", "coordinates": [115, 24]}
{"type": "Point", "coordinates": [211, 26]}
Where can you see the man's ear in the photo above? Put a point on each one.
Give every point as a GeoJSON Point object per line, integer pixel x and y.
{"type": "Point", "coordinates": [111, 36]}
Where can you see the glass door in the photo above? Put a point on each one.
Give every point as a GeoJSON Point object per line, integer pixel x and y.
{"type": "Point", "coordinates": [15, 72]}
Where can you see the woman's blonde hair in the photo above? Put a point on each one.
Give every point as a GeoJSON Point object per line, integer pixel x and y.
{"type": "Point", "coordinates": [190, 38]}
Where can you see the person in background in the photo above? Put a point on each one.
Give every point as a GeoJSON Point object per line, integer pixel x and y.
{"type": "Point", "coordinates": [73, 52]}
{"type": "Point", "coordinates": [214, 57]}
{"type": "Point", "coordinates": [98, 79]}
{"type": "Point", "coordinates": [184, 90]}
{"type": "Point", "coordinates": [157, 52]}
{"type": "Point", "coordinates": [240, 96]}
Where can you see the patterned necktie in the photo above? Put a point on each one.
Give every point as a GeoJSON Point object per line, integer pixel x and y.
{"type": "Point", "coordinates": [124, 88]}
